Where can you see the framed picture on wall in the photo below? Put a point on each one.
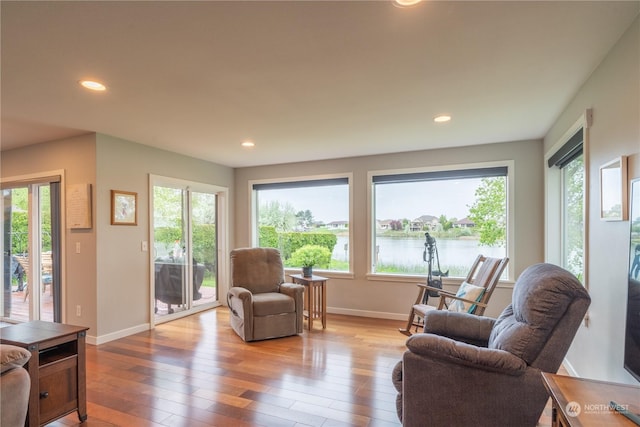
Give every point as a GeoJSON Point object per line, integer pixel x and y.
{"type": "Point", "coordinates": [613, 190]}
{"type": "Point", "coordinates": [123, 208]}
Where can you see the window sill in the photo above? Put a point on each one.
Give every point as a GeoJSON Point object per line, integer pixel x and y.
{"type": "Point", "coordinates": [446, 281]}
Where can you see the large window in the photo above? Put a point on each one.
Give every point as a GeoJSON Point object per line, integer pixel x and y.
{"type": "Point", "coordinates": [569, 159]}
{"type": "Point", "coordinates": [465, 210]}
{"type": "Point", "coordinates": [293, 215]}
{"type": "Point", "coordinates": [573, 217]}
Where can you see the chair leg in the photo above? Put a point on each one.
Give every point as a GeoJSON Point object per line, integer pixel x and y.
{"type": "Point", "coordinates": [412, 315]}
{"type": "Point", "coordinates": [407, 330]}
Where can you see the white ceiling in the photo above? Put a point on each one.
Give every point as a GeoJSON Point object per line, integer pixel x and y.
{"type": "Point", "coordinates": [305, 80]}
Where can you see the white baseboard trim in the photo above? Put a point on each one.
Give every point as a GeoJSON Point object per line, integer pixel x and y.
{"type": "Point", "coordinates": [367, 313]}
{"type": "Point", "coordinates": [93, 340]}
{"type": "Point", "coordinates": [569, 367]}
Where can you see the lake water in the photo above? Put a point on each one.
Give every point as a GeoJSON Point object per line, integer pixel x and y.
{"type": "Point", "coordinates": [408, 252]}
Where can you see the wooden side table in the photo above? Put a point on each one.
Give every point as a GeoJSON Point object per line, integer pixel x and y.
{"type": "Point", "coordinates": [315, 297]}
{"type": "Point", "coordinates": [586, 403]}
{"type": "Point", "coordinates": [57, 368]}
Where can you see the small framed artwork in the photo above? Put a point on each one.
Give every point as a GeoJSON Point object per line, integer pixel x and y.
{"type": "Point", "coordinates": [123, 208]}
{"type": "Point", "coordinates": [613, 190]}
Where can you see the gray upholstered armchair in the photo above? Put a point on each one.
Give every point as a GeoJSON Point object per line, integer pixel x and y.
{"type": "Point", "coordinates": [262, 305]}
{"type": "Point", "coordinates": [471, 370]}
{"type": "Point", "coordinates": [15, 385]}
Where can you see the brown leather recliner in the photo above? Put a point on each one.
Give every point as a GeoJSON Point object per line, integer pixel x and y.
{"type": "Point", "coordinates": [262, 305]}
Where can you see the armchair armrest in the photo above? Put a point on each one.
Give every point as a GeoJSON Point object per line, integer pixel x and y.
{"type": "Point", "coordinates": [444, 296]}
{"type": "Point", "coordinates": [240, 301]}
{"type": "Point", "coordinates": [291, 289]}
{"type": "Point", "coordinates": [296, 292]}
{"type": "Point", "coordinates": [431, 288]}
{"type": "Point", "coordinates": [461, 326]}
{"type": "Point", "coordinates": [460, 353]}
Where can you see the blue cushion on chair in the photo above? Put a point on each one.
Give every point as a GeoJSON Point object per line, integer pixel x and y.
{"type": "Point", "coordinates": [469, 292]}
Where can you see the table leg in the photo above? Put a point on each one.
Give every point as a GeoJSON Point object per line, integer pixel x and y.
{"type": "Point", "coordinates": [33, 416]}
{"type": "Point", "coordinates": [82, 377]}
{"type": "Point", "coordinates": [323, 289]}
{"type": "Point", "coordinates": [312, 305]}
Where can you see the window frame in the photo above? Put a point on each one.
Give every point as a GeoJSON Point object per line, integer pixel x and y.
{"type": "Point", "coordinates": [254, 215]}
{"type": "Point", "coordinates": [371, 222]}
{"type": "Point", "coordinates": [554, 206]}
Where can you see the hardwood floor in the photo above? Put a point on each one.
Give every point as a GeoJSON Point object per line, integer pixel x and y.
{"type": "Point", "coordinates": [197, 372]}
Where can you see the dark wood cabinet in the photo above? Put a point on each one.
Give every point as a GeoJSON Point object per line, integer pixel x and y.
{"type": "Point", "coordinates": [580, 402]}
{"type": "Point", "coordinates": [57, 368]}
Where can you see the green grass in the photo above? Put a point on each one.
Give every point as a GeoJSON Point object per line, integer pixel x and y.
{"type": "Point", "coordinates": [421, 269]}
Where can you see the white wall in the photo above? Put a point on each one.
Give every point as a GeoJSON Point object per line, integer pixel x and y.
{"type": "Point", "coordinates": [109, 278]}
{"type": "Point", "coordinates": [613, 93]}
{"type": "Point", "coordinates": [76, 157]}
{"type": "Point", "coordinates": [392, 299]}
{"type": "Point", "coordinates": [122, 268]}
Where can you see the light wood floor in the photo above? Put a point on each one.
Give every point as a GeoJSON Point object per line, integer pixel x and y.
{"type": "Point", "coordinates": [197, 372]}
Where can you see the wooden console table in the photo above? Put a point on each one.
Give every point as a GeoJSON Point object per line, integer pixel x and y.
{"type": "Point", "coordinates": [586, 403]}
{"type": "Point", "coordinates": [315, 297]}
{"type": "Point", "coordinates": [57, 368]}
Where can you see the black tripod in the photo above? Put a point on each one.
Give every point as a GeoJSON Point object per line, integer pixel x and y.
{"type": "Point", "coordinates": [429, 255]}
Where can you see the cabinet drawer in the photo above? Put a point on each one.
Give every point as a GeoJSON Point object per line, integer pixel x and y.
{"type": "Point", "coordinates": [58, 388]}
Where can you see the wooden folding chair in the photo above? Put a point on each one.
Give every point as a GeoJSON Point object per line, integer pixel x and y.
{"type": "Point", "coordinates": [485, 272]}
{"type": "Point", "coordinates": [47, 268]}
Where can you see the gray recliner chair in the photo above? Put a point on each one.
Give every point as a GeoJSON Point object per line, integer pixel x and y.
{"type": "Point", "coordinates": [262, 305]}
{"type": "Point", "coordinates": [470, 370]}
{"type": "Point", "coordinates": [15, 385]}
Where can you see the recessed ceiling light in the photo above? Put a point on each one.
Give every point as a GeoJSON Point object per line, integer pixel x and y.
{"type": "Point", "coordinates": [93, 85]}
{"type": "Point", "coordinates": [248, 144]}
{"type": "Point", "coordinates": [442, 118]}
{"type": "Point", "coordinates": [406, 3]}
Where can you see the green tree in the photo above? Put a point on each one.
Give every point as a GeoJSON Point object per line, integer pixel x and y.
{"type": "Point", "coordinates": [446, 224]}
{"type": "Point", "coordinates": [167, 206]}
{"type": "Point", "coordinates": [268, 237]}
{"type": "Point", "coordinates": [489, 211]}
{"type": "Point", "coordinates": [19, 200]}
{"type": "Point", "coordinates": [396, 225]}
{"type": "Point", "coordinates": [304, 219]}
{"type": "Point", "coordinates": [280, 216]}
{"type": "Point", "coordinates": [573, 176]}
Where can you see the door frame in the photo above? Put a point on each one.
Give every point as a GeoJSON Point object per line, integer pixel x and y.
{"type": "Point", "coordinates": [222, 229]}
{"type": "Point", "coordinates": [56, 175]}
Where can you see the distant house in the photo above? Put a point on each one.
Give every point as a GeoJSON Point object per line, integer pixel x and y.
{"type": "Point", "coordinates": [338, 225]}
{"type": "Point", "coordinates": [464, 223]}
{"type": "Point", "coordinates": [416, 225]}
{"type": "Point", "coordinates": [384, 224]}
{"type": "Point", "coordinates": [423, 222]}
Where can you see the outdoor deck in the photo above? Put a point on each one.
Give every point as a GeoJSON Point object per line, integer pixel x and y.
{"type": "Point", "coordinates": [20, 305]}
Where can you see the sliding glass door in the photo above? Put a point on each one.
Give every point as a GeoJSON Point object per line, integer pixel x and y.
{"type": "Point", "coordinates": [185, 245]}
{"type": "Point", "coordinates": [31, 242]}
